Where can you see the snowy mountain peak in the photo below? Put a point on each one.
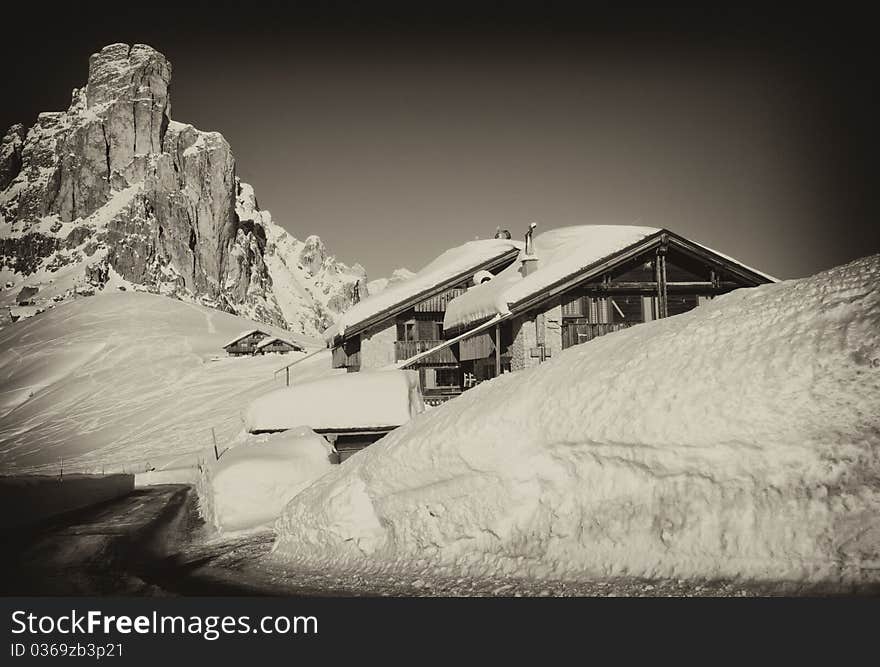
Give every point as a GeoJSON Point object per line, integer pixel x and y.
{"type": "Point", "coordinates": [113, 186]}
{"type": "Point", "coordinates": [380, 284]}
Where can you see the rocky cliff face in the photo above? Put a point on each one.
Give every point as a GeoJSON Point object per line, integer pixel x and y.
{"type": "Point", "coordinates": [113, 187]}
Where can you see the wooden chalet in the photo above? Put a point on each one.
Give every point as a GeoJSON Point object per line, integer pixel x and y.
{"type": "Point", "coordinates": [276, 345]}
{"type": "Point", "coordinates": [568, 298]}
{"type": "Point", "coordinates": [408, 319]}
{"type": "Point", "coordinates": [605, 279]}
{"type": "Point", "coordinates": [245, 343]}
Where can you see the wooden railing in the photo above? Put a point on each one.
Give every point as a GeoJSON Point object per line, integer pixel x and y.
{"type": "Point", "coordinates": [404, 349]}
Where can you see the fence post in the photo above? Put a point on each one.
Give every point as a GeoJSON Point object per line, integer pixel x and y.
{"type": "Point", "coordinates": [214, 437]}
{"type": "Point", "coordinates": [287, 372]}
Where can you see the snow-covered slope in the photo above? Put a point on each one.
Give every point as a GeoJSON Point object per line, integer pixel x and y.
{"type": "Point", "coordinates": [119, 380]}
{"type": "Point", "coordinates": [741, 439]}
{"type": "Point", "coordinates": [114, 184]}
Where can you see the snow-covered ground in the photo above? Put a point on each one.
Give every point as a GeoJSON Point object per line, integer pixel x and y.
{"type": "Point", "coordinates": [739, 440]}
{"type": "Point", "coordinates": [250, 485]}
{"type": "Point", "coordinates": [127, 381]}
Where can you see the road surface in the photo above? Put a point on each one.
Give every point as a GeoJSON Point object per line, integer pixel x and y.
{"type": "Point", "coordinates": [152, 543]}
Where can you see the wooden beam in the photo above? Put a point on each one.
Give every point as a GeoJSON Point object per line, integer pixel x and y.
{"type": "Point", "coordinates": [650, 287]}
{"type": "Point", "coordinates": [497, 350]}
{"type": "Point", "coordinates": [728, 264]}
{"type": "Point", "coordinates": [660, 275]}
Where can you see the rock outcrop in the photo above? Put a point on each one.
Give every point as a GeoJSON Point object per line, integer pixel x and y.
{"type": "Point", "coordinates": [10, 154]}
{"type": "Point", "coordinates": [114, 181]}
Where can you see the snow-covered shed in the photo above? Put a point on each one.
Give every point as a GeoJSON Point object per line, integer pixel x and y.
{"type": "Point", "coordinates": [246, 342]}
{"type": "Point", "coordinates": [277, 345]}
{"type": "Point", "coordinates": [407, 317]}
{"type": "Point", "coordinates": [353, 411]}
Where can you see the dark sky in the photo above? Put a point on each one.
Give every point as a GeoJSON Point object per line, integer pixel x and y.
{"type": "Point", "coordinates": [395, 135]}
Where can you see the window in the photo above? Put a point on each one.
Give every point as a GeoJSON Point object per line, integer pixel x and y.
{"type": "Point", "coordinates": [441, 378]}
{"type": "Point", "coordinates": [447, 377]}
{"type": "Point", "coordinates": [626, 309]}
{"type": "Point", "coordinates": [419, 329]}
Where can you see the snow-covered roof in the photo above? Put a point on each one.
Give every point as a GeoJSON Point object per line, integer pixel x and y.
{"type": "Point", "coordinates": [350, 401]}
{"type": "Point", "coordinates": [244, 334]}
{"type": "Point", "coordinates": [448, 266]}
{"type": "Point", "coordinates": [561, 253]}
{"type": "Point", "coordinates": [276, 339]}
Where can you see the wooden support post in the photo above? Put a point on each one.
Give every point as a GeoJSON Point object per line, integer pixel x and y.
{"type": "Point", "coordinates": [287, 372]}
{"type": "Point", "coordinates": [660, 270]}
{"type": "Point", "coordinates": [497, 350]}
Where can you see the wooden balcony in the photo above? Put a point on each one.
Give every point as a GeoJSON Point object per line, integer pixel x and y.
{"type": "Point", "coordinates": [404, 349]}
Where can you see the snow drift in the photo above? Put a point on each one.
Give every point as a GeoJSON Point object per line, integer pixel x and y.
{"type": "Point", "coordinates": [378, 399]}
{"type": "Point", "coordinates": [250, 484]}
{"type": "Point", "coordinates": [741, 439]}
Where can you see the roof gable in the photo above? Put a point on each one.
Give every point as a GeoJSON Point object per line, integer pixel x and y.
{"type": "Point", "coordinates": [244, 334]}
{"type": "Point", "coordinates": [574, 255]}
{"type": "Point", "coordinates": [277, 339]}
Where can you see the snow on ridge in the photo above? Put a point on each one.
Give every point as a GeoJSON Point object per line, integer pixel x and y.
{"type": "Point", "coordinates": [737, 440]}
{"type": "Point", "coordinates": [451, 263]}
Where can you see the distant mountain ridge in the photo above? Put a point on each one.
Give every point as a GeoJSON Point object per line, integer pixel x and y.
{"type": "Point", "coordinates": [381, 284]}
{"type": "Point", "coordinates": [114, 192]}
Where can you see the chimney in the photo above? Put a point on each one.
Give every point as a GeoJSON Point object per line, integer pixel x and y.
{"type": "Point", "coordinates": [529, 259]}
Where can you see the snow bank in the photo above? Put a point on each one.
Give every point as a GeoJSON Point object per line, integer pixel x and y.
{"type": "Point", "coordinates": [376, 399]}
{"type": "Point", "coordinates": [741, 439]}
{"type": "Point", "coordinates": [250, 484]}
{"type": "Point", "coordinates": [451, 263]}
{"type": "Point", "coordinates": [561, 253]}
